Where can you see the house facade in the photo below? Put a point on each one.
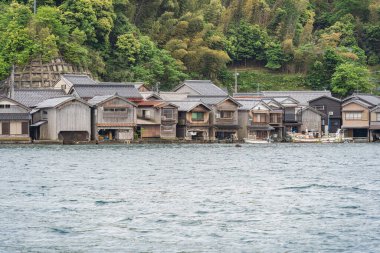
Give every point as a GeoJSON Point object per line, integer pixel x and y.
{"type": "Point", "coordinates": [156, 119]}
{"type": "Point", "coordinates": [312, 121]}
{"type": "Point", "coordinates": [355, 119]}
{"type": "Point", "coordinates": [62, 119]}
{"type": "Point", "coordinates": [113, 118]}
{"type": "Point", "coordinates": [193, 120]}
{"type": "Point", "coordinates": [14, 121]}
{"type": "Point", "coordinates": [331, 108]}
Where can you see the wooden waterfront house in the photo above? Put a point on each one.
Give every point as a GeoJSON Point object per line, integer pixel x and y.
{"type": "Point", "coordinates": [374, 125]}
{"type": "Point", "coordinates": [254, 119]}
{"type": "Point", "coordinates": [331, 108]}
{"type": "Point", "coordinates": [62, 119]}
{"type": "Point", "coordinates": [312, 121]}
{"type": "Point", "coordinates": [356, 115]}
{"type": "Point", "coordinates": [113, 118]}
{"type": "Point", "coordinates": [14, 121]}
{"type": "Point", "coordinates": [193, 120]}
{"type": "Point", "coordinates": [292, 119]}
{"type": "Point", "coordinates": [157, 119]}
{"type": "Point", "coordinates": [276, 118]}
{"type": "Point", "coordinates": [200, 88]}
{"type": "Point", "coordinates": [223, 116]}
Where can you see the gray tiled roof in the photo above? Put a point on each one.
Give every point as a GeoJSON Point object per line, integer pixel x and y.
{"type": "Point", "coordinates": [32, 97]}
{"type": "Point", "coordinates": [98, 99]}
{"type": "Point", "coordinates": [188, 105]}
{"type": "Point", "coordinates": [209, 100]}
{"type": "Point", "coordinates": [173, 96]}
{"type": "Point", "coordinates": [102, 89]}
{"type": "Point", "coordinates": [248, 104]}
{"type": "Point", "coordinates": [79, 79]}
{"type": "Point", "coordinates": [14, 116]}
{"type": "Point", "coordinates": [205, 87]}
{"type": "Point", "coordinates": [302, 96]}
{"type": "Point", "coordinates": [374, 100]}
{"type": "Point", "coordinates": [53, 102]}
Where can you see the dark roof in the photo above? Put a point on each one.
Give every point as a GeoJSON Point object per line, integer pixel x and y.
{"type": "Point", "coordinates": [203, 87]}
{"type": "Point", "coordinates": [14, 116]}
{"type": "Point", "coordinates": [213, 100]}
{"type": "Point", "coordinates": [32, 97]}
{"type": "Point", "coordinates": [328, 97]}
{"type": "Point", "coordinates": [79, 79]}
{"type": "Point", "coordinates": [302, 96]}
{"type": "Point", "coordinates": [368, 98]}
{"type": "Point", "coordinates": [103, 89]}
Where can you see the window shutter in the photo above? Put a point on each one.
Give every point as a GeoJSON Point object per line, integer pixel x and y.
{"type": "Point", "coordinates": [6, 126]}
{"type": "Point", "coordinates": [24, 128]}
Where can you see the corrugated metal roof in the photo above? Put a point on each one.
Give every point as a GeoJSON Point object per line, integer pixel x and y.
{"type": "Point", "coordinates": [79, 79]}
{"type": "Point", "coordinates": [103, 89]}
{"type": "Point", "coordinates": [302, 96]}
{"type": "Point", "coordinates": [32, 97]}
{"type": "Point", "coordinates": [53, 102]}
{"type": "Point", "coordinates": [204, 87]}
{"type": "Point", "coordinates": [14, 116]}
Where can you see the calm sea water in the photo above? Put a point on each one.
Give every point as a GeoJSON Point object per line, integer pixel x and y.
{"type": "Point", "coordinates": [190, 198]}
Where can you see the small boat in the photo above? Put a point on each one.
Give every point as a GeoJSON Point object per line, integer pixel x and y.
{"type": "Point", "coordinates": [255, 141]}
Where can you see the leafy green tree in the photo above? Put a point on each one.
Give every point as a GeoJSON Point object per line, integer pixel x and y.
{"type": "Point", "coordinates": [351, 77]}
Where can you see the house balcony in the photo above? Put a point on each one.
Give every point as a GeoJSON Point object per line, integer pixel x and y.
{"type": "Point", "coordinates": [292, 118]}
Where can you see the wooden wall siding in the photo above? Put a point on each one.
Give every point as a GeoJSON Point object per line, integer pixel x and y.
{"type": "Point", "coordinates": [175, 114]}
{"type": "Point", "coordinates": [329, 106]}
{"type": "Point", "coordinates": [374, 116]}
{"type": "Point", "coordinates": [225, 106]}
{"type": "Point", "coordinates": [116, 117]}
{"type": "Point", "coordinates": [74, 116]}
{"type": "Point", "coordinates": [243, 123]}
{"type": "Point", "coordinates": [150, 131]}
{"type": "Point", "coordinates": [311, 121]}
{"type": "Point", "coordinates": [206, 119]}
{"type": "Point", "coordinates": [155, 115]}
{"type": "Point", "coordinates": [168, 131]}
{"type": "Point", "coordinates": [15, 129]}
{"type": "Point", "coordinates": [364, 122]}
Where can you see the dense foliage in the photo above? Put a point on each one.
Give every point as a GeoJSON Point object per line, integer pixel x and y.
{"type": "Point", "coordinates": [168, 40]}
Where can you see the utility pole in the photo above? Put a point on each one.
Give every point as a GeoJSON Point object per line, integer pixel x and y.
{"type": "Point", "coordinates": [12, 83]}
{"type": "Point", "coordinates": [258, 88]}
{"type": "Point", "coordinates": [236, 80]}
{"type": "Point", "coordinates": [35, 7]}
{"type": "Point", "coordinates": [158, 87]}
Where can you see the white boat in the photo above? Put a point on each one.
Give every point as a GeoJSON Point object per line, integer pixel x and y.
{"type": "Point", "coordinates": [253, 141]}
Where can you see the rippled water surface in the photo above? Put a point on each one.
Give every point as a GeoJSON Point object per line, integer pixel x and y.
{"type": "Point", "coordinates": [190, 198]}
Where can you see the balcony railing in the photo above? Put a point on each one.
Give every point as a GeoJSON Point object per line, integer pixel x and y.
{"type": "Point", "coordinates": [292, 118]}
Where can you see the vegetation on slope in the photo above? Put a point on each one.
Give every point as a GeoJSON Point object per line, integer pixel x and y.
{"type": "Point", "coordinates": [330, 44]}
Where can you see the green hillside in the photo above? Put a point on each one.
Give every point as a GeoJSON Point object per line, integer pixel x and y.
{"type": "Point", "coordinates": [314, 44]}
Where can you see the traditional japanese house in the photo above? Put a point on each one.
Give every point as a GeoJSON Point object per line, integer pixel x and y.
{"type": "Point", "coordinates": [193, 120]}
{"type": "Point", "coordinates": [254, 119]}
{"type": "Point", "coordinates": [113, 118]}
{"type": "Point", "coordinates": [200, 88]}
{"type": "Point", "coordinates": [32, 97]}
{"type": "Point", "coordinates": [292, 119]}
{"type": "Point", "coordinates": [374, 125]}
{"type": "Point", "coordinates": [62, 119]}
{"type": "Point", "coordinates": [312, 121]}
{"type": "Point", "coordinates": [14, 121]}
{"type": "Point", "coordinates": [276, 118]}
{"type": "Point", "coordinates": [223, 116]}
{"type": "Point", "coordinates": [150, 95]}
{"type": "Point", "coordinates": [355, 116]}
{"type": "Point", "coordinates": [88, 91]}
{"type": "Point", "coordinates": [331, 108]}
{"type": "Point", "coordinates": [356, 112]}
{"type": "Point", "coordinates": [157, 119]}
